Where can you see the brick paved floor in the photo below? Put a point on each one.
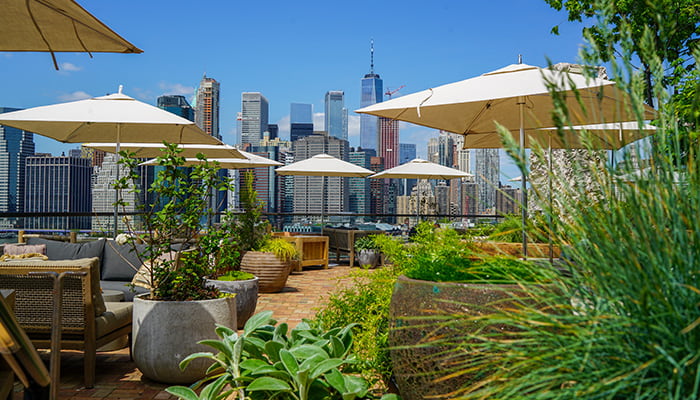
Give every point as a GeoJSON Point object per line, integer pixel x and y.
{"type": "Point", "coordinates": [118, 378]}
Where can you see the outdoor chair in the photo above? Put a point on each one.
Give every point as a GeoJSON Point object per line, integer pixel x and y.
{"type": "Point", "coordinates": [21, 359]}
{"type": "Point", "coordinates": [343, 241]}
{"type": "Point", "coordinates": [87, 322]}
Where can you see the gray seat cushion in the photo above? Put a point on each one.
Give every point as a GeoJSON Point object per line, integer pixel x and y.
{"type": "Point", "coordinates": [116, 316]}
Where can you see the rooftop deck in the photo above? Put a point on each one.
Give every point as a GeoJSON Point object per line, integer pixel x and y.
{"type": "Point", "coordinates": [118, 378]}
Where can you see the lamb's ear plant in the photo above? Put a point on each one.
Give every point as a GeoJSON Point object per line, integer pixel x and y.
{"type": "Point", "coordinates": [624, 323]}
{"type": "Point", "coordinates": [269, 361]}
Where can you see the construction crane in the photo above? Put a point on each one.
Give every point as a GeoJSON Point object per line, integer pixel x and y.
{"type": "Point", "coordinates": [390, 92]}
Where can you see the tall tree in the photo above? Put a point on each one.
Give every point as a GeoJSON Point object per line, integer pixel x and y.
{"type": "Point", "coordinates": [673, 24]}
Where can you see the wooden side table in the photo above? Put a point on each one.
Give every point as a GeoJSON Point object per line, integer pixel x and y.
{"type": "Point", "coordinates": [313, 250]}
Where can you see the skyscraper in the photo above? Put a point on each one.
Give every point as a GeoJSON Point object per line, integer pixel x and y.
{"type": "Point", "coordinates": [487, 168]}
{"type": "Point", "coordinates": [407, 153]}
{"type": "Point", "coordinates": [359, 188]}
{"type": "Point", "coordinates": [206, 114]}
{"type": "Point", "coordinates": [301, 123]}
{"type": "Point", "coordinates": [15, 146]}
{"type": "Point", "coordinates": [254, 117]}
{"type": "Point", "coordinates": [336, 115]}
{"type": "Point", "coordinates": [388, 146]}
{"type": "Point", "coordinates": [177, 105]}
{"type": "Point", "coordinates": [372, 91]}
{"type": "Point", "coordinates": [308, 196]}
{"type": "Point", "coordinates": [58, 184]}
{"type": "Point", "coordinates": [103, 194]}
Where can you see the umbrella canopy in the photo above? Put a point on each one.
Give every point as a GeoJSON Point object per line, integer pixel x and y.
{"type": "Point", "coordinates": [421, 169]}
{"type": "Point", "coordinates": [324, 165]}
{"type": "Point", "coordinates": [472, 106]}
{"type": "Point", "coordinates": [115, 117]}
{"type": "Point", "coordinates": [56, 26]}
{"type": "Point", "coordinates": [142, 150]}
{"type": "Point", "coordinates": [250, 161]}
{"type": "Point", "coordinates": [611, 136]}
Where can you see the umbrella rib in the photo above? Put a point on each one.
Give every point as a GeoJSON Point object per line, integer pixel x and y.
{"type": "Point", "coordinates": [77, 36]}
{"type": "Point", "coordinates": [48, 46]}
{"type": "Point", "coordinates": [130, 47]}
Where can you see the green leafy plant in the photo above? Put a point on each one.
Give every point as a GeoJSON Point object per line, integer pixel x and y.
{"type": "Point", "coordinates": [235, 276]}
{"type": "Point", "coordinates": [268, 361]}
{"type": "Point", "coordinates": [171, 223]}
{"type": "Point", "coordinates": [366, 243]}
{"type": "Point", "coordinates": [281, 248]}
{"type": "Point", "coordinates": [252, 227]}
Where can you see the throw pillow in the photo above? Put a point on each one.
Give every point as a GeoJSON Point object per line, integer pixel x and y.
{"type": "Point", "coordinates": [143, 275]}
{"type": "Point", "coordinates": [57, 250]}
{"type": "Point", "coordinates": [18, 249]}
{"type": "Point", "coordinates": [120, 261]}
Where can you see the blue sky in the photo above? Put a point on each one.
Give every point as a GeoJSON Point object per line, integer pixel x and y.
{"type": "Point", "coordinates": [292, 52]}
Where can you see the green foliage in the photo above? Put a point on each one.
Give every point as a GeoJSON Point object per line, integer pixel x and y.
{"type": "Point", "coordinates": [624, 324]}
{"type": "Point", "coordinates": [365, 303]}
{"type": "Point", "coordinates": [282, 249]}
{"type": "Point", "coordinates": [510, 230]}
{"type": "Point", "coordinates": [268, 361]}
{"type": "Point", "coordinates": [366, 243]}
{"type": "Point", "coordinates": [645, 28]}
{"type": "Point", "coordinates": [235, 276]}
{"type": "Point", "coordinates": [180, 198]}
{"type": "Point", "coordinates": [252, 227]}
{"type": "Point", "coordinates": [481, 230]}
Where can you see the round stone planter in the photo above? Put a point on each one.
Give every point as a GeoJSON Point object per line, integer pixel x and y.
{"type": "Point", "coordinates": [413, 317]}
{"type": "Point", "coordinates": [368, 257]}
{"type": "Point", "coordinates": [165, 332]}
{"type": "Point", "coordinates": [246, 296]}
{"type": "Point", "coordinates": [270, 270]}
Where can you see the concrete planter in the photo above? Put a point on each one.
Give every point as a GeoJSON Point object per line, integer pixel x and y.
{"type": "Point", "coordinates": [165, 332]}
{"type": "Point", "coordinates": [414, 309]}
{"type": "Point", "coordinates": [246, 296]}
{"type": "Point", "coordinates": [368, 257]}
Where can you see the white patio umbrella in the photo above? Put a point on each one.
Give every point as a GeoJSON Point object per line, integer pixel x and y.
{"type": "Point", "coordinates": [608, 136]}
{"type": "Point", "coordinates": [324, 165]}
{"type": "Point", "coordinates": [420, 169]}
{"type": "Point", "coordinates": [250, 161]}
{"type": "Point", "coordinates": [517, 97]}
{"type": "Point", "coordinates": [56, 26]}
{"type": "Point", "coordinates": [114, 117]}
{"type": "Point", "coordinates": [143, 150]}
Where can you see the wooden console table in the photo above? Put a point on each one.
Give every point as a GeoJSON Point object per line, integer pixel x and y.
{"type": "Point", "coordinates": [313, 250]}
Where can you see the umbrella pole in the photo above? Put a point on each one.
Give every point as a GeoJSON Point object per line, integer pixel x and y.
{"type": "Point", "coordinates": [523, 181]}
{"type": "Point", "coordinates": [551, 205]}
{"type": "Point", "coordinates": [116, 190]}
{"type": "Point", "coordinates": [323, 199]}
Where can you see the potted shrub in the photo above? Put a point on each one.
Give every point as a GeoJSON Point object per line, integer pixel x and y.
{"type": "Point", "coordinates": [266, 257]}
{"type": "Point", "coordinates": [221, 248]}
{"type": "Point", "coordinates": [368, 254]}
{"type": "Point", "coordinates": [271, 263]}
{"type": "Point", "coordinates": [441, 277]}
{"type": "Point", "coordinates": [174, 268]}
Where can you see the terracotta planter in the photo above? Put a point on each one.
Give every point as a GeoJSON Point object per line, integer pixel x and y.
{"type": "Point", "coordinates": [413, 310]}
{"type": "Point", "coordinates": [270, 270]}
{"type": "Point", "coordinates": [246, 296]}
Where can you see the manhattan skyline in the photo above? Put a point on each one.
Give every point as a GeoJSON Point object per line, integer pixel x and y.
{"type": "Point", "coordinates": [294, 56]}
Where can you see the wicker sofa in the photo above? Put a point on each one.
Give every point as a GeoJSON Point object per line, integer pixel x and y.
{"type": "Point", "coordinates": [87, 321]}
{"type": "Point", "coordinates": [117, 263]}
